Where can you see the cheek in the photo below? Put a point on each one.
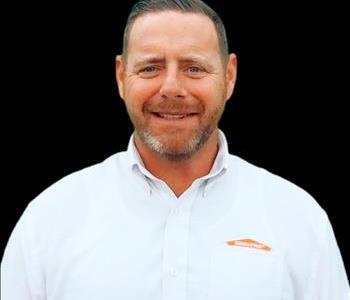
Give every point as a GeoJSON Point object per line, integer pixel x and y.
{"type": "Point", "coordinates": [199, 89]}
{"type": "Point", "coordinates": [139, 91]}
{"type": "Point", "coordinates": [209, 92]}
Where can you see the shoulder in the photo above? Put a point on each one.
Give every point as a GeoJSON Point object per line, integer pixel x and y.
{"type": "Point", "coordinates": [66, 210]}
{"type": "Point", "coordinates": [70, 197]}
{"type": "Point", "coordinates": [277, 191]}
{"type": "Point", "coordinates": [289, 209]}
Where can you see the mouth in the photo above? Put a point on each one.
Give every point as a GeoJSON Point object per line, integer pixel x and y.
{"type": "Point", "coordinates": [173, 116]}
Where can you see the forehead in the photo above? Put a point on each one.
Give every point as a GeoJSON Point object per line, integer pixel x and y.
{"type": "Point", "coordinates": [173, 31]}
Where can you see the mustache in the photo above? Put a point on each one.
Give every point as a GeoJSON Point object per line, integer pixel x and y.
{"type": "Point", "coordinates": [174, 105]}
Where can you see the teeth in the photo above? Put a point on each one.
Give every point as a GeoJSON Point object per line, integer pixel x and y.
{"type": "Point", "coordinates": [171, 117]}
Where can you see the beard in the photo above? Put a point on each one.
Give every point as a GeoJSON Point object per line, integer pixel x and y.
{"type": "Point", "coordinates": [177, 146]}
{"type": "Point", "coordinates": [172, 153]}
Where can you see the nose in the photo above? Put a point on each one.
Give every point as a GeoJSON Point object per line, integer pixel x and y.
{"type": "Point", "coordinates": [172, 85]}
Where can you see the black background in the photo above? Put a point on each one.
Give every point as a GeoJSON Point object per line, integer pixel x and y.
{"type": "Point", "coordinates": [61, 110]}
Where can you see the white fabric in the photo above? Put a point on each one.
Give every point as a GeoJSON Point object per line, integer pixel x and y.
{"type": "Point", "coordinates": [113, 231]}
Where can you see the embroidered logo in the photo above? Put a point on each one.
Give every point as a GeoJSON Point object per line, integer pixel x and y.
{"type": "Point", "coordinates": [249, 243]}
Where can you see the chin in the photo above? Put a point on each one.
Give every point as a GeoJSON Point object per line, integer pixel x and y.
{"type": "Point", "coordinates": [174, 147]}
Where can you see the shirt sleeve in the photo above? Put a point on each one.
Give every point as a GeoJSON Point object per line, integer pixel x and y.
{"type": "Point", "coordinates": [328, 280]}
{"type": "Point", "coordinates": [21, 275]}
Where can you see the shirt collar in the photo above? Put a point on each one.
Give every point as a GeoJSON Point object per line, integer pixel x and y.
{"type": "Point", "coordinates": [219, 166]}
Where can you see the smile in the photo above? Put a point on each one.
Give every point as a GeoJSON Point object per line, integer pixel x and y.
{"type": "Point", "coordinates": [173, 116]}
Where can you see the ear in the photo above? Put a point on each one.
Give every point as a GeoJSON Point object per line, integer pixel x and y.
{"type": "Point", "coordinates": [231, 75]}
{"type": "Point", "coordinates": [119, 74]}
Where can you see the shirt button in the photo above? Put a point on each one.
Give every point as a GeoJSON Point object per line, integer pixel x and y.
{"type": "Point", "coordinates": [173, 272]}
{"type": "Point", "coordinates": [176, 211]}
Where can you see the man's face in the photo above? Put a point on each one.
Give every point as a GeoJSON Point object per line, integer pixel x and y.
{"type": "Point", "coordinates": [174, 82]}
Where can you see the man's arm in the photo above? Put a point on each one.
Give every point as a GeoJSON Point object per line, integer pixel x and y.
{"type": "Point", "coordinates": [328, 280]}
{"type": "Point", "coordinates": [21, 274]}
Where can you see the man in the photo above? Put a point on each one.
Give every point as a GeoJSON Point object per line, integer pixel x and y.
{"type": "Point", "coordinates": [175, 216]}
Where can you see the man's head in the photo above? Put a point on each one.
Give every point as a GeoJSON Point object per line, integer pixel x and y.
{"type": "Point", "coordinates": [175, 75]}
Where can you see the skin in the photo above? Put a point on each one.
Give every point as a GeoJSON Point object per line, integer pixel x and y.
{"type": "Point", "coordinates": [174, 66]}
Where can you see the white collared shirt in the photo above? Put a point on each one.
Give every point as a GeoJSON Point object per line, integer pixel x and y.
{"type": "Point", "coordinates": [113, 231]}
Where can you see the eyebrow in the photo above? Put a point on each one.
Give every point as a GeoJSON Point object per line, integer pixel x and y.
{"type": "Point", "coordinates": [149, 60]}
{"type": "Point", "coordinates": [161, 60]}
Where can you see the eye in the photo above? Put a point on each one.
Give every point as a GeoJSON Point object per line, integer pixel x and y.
{"type": "Point", "coordinates": [195, 71]}
{"type": "Point", "coordinates": [149, 71]}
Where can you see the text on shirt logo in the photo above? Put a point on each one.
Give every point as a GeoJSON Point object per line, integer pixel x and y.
{"type": "Point", "coordinates": [248, 243]}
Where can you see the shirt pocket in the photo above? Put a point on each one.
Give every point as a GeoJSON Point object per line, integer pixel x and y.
{"type": "Point", "coordinates": [245, 274]}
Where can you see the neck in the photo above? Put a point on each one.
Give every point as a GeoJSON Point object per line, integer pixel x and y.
{"type": "Point", "coordinates": [183, 173]}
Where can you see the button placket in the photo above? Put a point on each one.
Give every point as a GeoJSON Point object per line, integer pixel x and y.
{"type": "Point", "coordinates": [175, 252]}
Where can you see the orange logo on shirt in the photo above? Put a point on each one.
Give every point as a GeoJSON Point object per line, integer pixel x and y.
{"type": "Point", "coordinates": [248, 243]}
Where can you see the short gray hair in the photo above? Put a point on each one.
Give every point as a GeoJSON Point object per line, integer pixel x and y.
{"type": "Point", "coordinates": [143, 7]}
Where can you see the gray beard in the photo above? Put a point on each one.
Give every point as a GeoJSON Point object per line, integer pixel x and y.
{"type": "Point", "coordinates": [183, 154]}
